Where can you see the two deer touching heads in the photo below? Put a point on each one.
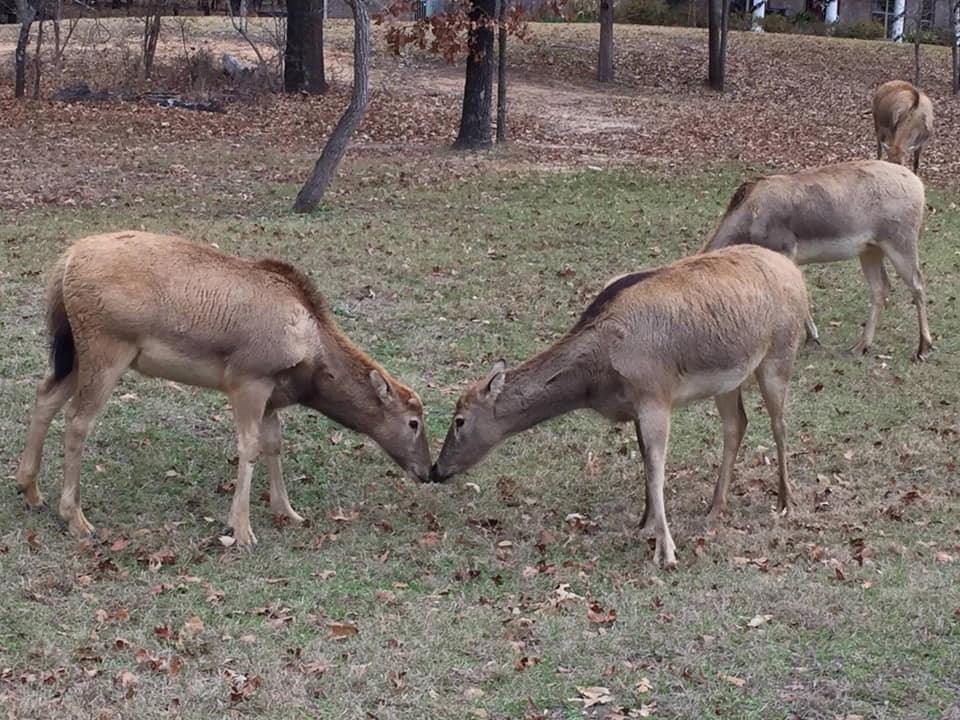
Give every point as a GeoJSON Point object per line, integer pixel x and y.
{"type": "Point", "coordinates": [701, 327]}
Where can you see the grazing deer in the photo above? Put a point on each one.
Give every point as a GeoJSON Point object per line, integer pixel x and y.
{"type": "Point", "coordinates": [257, 330]}
{"type": "Point", "coordinates": [866, 208]}
{"type": "Point", "coordinates": [902, 119]}
{"type": "Point", "coordinates": [650, 341]}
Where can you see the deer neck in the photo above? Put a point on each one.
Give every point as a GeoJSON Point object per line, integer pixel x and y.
{"type": "Point", "coordinates": [340, 385]}
{"type": "Point", "coordinates": [555, 382]}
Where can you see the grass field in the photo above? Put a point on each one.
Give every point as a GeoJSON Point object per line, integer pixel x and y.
{"type": "Point", "coordinates": [454, 589]}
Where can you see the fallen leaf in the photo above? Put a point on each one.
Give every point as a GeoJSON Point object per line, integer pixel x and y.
{"type": "Point", "coordinates": [126, 679]}
{"type": "Point", "coordinates": [942, 557]}
{"type": "Point", "coordinates": [523, 663]}
{"type": "Point", "coordinates": [386, 596]}
{"type": "Point", "coordinates": [227, 540]}
{"type": "Point", "coordinates": [396, 679]}
{"type": "Point", "coordinates": [342, 631]}
{"type": "Point", "coordinates": [759, 620]}
{"type": "Point", "coordinates": [242, 686]}
{"type": "Point", "coordinates": [643, 685]}
{"type": "Point", "coordinates": [341, 516]}
{"type": "Point", "coordinates": [594, 695]}
{"type": "Point", "coordinates": [429, 539]}
{"type": "Point", "coordinates": [734, 680]}
{"type": "Point", "coordinates": [33, 540]}
{"type": "Point", "coordinates": [597, 615]}
{"type": "Point", "coordinates": [315, 667]}
{"type": "Point", "coordinates": [191, 630]}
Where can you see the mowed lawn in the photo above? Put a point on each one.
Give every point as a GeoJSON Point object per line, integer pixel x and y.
{"type": "Point", "coordinates": [523, 589]}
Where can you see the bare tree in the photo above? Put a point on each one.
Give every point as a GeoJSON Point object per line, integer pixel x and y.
{"type": "Point", "coordinates": [474, 131]}
{"type": "Point", "coordinates": [60, 39]}
{"type": "Point", "coordinates": [237, 9]}
{"type": "Point", "coordinates": [502, 72]}
{"type": "Point", "coordinates": [605, 59]}
{"type": "Point", "coordinates": [719, 13]}
{"type": "Point", "coordinates": [303, 55]}
{"type": "Point", "coordinates": [311, 194]}
{"type": "Point", "coordinates": [36, 58]}
{"type": "Point", "coordinates": [955, 51]}
{"type": "Point", "coordinates": [26, 12]}
{"type": "Point", "coordinates": [152, 18]}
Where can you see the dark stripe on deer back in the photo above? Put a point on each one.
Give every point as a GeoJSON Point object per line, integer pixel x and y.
{"type": "Point", "coordinates": [609, 294]}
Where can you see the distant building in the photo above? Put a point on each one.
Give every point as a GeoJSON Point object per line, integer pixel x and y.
{"type": "Point", "coordinates": [935, 13]}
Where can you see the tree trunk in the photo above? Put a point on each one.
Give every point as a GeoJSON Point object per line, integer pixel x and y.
{"type": "Point", "coordinates": [899, 12]}
{"type": "Point", "coordinates": [36, 60]}
{"type": "Point", "coordinates": [715, 61]}
{"type": "Point", "coordinates": [956, 47]}
{"type": "Point", "coordinates": [916, 53]}
{"type": "Point", "coordinates": [502, 74]}
{"type": "Point", "coordinates": [605, 59]}
{"type": "Point", "coordinates": [151, 34]}
{"type": "Point", "coordinates": [724, 34]}
{"type": "Point", "coordinates": [303, 69]}
{"type": "Point", "coordinates": [478, 87]}
{"type": "Point", "coordinates": [311, 194]}
{"type": "Point", "coordinates": [26, 13]}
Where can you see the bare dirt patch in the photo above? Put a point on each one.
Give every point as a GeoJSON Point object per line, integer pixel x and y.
{"type": "Point", "coordinates": [793, 102]}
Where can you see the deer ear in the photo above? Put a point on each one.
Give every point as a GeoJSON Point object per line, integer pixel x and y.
{"type": "Point", "coordinates": [379, 384]}
{"type": "Point", "coordinates": [495, 380]}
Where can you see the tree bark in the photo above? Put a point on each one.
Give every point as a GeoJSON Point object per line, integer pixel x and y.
{"type": "Point", "coordinates": [151, 34]}
{"type": "Point", "coordinates": [724, 34]}
{"type": "Point", "coordinates": [605, 59]}
{"type": "Point", "coordinates": [719, 14]}
{"type": "Point", "coordinates": [916, 52]}
{"type": "Point", "coordinates": [36, 60]}
{"type": "Point", "coordinates": [303, 68]}
{"type": "Point", "coordinates": [26, 13]}
{"type": "Point", "coordinates": [715, 59]}
{"type": "Point", "coordinates": [478, 87]}
{"type": "Point", "coordinates": [502, 73]}
{"type": "Point", "coordinates": [311, 194]}
{"type": "Point", "coordinates": [955, 50]}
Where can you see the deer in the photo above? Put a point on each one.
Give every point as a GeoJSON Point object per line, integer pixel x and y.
{"type": "Point", "coordinates": [868, 209]}
{"type": "Point", "coordinates": [257, 330]}
{"type": "Point", "coordinates": [902, 119]}
{"type": "Point", "coordinates": [648, 342]}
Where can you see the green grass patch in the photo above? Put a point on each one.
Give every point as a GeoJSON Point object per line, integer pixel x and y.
{"type": "Point", "coordinates": [453, 622]}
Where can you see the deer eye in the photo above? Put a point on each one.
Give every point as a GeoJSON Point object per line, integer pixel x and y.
{"type": "Point", "coordinates": [458, 421]}
{"type": "Point", "coordinates": [414, 425]}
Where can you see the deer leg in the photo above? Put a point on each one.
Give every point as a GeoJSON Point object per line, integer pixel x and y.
{"type": "Point", "coordinates": [908, 268]}
{"type": "Point", "coordinates": [734, 421]}
{"type": "Point", "coordinates": [879, 150]}
{"type": "Point", "coordinates": [654, 422]}
{"type": "Point", "coordinates": [271, 442]}
{"type": "Point", "coordinates": [249, 400]}
{"type": "Point", "coordinates": [813, 335]}
{"type": "Point", "coordinates": [645, 522]}
{"type": "Point", "coordinates": [916, 161]}
{"type": "Point", "coordinates": [773, 376]}
{"type": "Point", "coordinates": [97, 375]}
{"type": "Point", "coordinates": [871, 261]}
{"type": "Point", "coordinates": [52, 395]}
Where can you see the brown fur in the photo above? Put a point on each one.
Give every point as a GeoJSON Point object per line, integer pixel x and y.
{"type": "Point", "coordinates": [695, 329]}
{"type": "Point", "coordinates": [741, 194]}
{"type": "Point", "coordinates": [902, 121]}
{"type": "Point", "coordinates": [867, 208]}
{"type": "Point", "coordinates": [258, 330]}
